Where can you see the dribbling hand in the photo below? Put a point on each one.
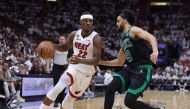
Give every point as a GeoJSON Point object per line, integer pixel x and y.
{"type": "Point", "coordinates": [74, 60]}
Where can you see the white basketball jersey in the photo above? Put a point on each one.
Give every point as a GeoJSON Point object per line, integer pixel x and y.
{"type": "Point", "coordinates": [83, 48]}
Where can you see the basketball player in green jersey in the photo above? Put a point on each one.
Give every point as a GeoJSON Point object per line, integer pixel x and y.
{"type": "Point", "coordinates": [139, 59]}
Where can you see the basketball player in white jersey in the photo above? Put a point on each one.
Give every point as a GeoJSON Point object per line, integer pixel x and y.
{"type": "Point", "coordinates": [87, 45]}
{"type": "Point", "coordinates": [59, 66]}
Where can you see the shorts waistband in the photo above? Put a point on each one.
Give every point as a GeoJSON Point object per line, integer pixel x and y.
{"type": "Point", "coordinates": [145, 66]}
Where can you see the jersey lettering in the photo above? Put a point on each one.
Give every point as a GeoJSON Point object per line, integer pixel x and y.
{"type": "Point", "coordinates": [128, 56]}
{"type": "Point", "coordinates": [125, 44]}
{"type": "Point", "coordinates": [82, 54]}
{"type": "Point", "coordinates": [81, 46]}
{"type": "Point", "coordinates": [83, 49]}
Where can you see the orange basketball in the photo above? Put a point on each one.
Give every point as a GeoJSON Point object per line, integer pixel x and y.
{"type": "Point", "coordinates": [45, 49]}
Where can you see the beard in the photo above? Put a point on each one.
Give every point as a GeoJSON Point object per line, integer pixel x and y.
{"type": "Point", "coordinates": [120, 28]}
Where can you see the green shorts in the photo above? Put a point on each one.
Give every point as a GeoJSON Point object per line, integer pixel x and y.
{"type": "Point", "coordinates": [135, 80]}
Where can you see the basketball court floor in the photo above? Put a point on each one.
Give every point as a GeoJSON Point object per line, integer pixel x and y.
{"type": "Point", "coordinates": [169, 99]}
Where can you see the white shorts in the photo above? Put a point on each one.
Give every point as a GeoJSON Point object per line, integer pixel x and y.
{"type": "Point", "coordinates": [79, 82]}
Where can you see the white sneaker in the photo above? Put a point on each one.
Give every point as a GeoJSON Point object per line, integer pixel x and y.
{"type": "Point", "coordinates": [20, 99]}
{"type": "Point", "coordinates": [14, 101]}
{"type": "Point", "coordinates": [13, 106]}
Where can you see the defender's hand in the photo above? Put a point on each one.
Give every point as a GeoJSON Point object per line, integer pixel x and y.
{"type": "Point", "coordinates": [154, 56]}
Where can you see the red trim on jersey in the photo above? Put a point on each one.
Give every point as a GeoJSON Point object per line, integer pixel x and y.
{"type": "Point", "coordinates": [71, 77]}
{"type": "Point", "coordinates": [72, 95]}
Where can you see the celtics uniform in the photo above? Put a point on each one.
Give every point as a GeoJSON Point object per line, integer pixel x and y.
{"type": "Point", "coordinates": [136, 76]}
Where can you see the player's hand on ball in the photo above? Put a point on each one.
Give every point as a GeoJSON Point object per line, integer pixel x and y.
{"type": "Point", "coordinates": [45, 50]}
{"type": "Point", "coordinates": [74, 60]}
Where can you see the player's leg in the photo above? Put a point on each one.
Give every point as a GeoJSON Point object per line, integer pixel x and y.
{"type": "Point", "coordinates": [56, 76]}
{"type": "Point", "coordinates": [76, 90]}
{"type": "Point", "coordinates": [119, 83]}
{"type": "Point", "coordinates": [65, 80]}
{"type": "Point", "coordinates": [139, 81]}
{"type": "Point", "coordinates": [132, 102]}
{"type": "Point", "coordinates": [71, 96]}
{"type": "Point", "coordinates": [114, 86]}
{"type": "Point", "coordinates": [68, 101]}
{"type": "Point", "coordinates": [57, 72]}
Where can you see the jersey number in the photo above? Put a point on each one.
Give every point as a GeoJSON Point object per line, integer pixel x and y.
{"type": "Point", "coordinates": [128, 56]}
{"type": "Point", "coordinates": [82, 54]}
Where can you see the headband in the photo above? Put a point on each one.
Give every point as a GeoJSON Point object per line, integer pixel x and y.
{"type": "Point", "coordinates": [86, 16]}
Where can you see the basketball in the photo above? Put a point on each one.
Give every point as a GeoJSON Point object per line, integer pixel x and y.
{"type": "Point", "coordinates": [45, 49]}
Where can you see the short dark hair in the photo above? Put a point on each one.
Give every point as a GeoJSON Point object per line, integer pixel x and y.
{"type": "Point", "coordinates": [6, 61]}
{"type": "Point", "coordinates": [62, 35]}
{"type": "Point", "coordinates": [129, 15]}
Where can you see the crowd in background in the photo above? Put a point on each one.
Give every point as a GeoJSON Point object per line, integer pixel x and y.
{"type": "Point", "coordinates": [23, 24]}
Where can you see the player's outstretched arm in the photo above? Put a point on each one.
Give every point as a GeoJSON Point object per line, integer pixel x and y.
{"type": "Point", "coordinates": [116, 62]}
{"type": "Point", "coordinates": [68, 44]}
{"type": "Point", "coordinates": [142, 34]}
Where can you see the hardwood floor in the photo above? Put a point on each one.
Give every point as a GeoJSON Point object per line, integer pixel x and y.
{"type": "Point", "coordinates": [169, 99]}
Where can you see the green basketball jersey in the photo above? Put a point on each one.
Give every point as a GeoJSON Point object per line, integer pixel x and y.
{"type": "Point", "coordinates": [136, 50]}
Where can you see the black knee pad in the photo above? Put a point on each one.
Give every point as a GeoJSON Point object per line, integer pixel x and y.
{"type": "Point", "coordinates": [130, 100]}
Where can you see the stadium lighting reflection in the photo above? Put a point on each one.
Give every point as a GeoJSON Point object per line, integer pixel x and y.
{"type": "Point", "coordinates": [160, 3]}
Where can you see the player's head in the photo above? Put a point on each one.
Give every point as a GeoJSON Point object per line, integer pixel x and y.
{"type": "Point", "coordinates": [62, 39]}
{"type": "Point", "coordinates": [86, 21]}
{"type": "Point", "coordinates": [125, 18]}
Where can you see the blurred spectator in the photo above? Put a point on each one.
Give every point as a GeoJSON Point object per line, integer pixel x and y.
{"type": "Point", "coordinates": [14, 71]}
{"type": "Point", "coordinates": [8, 81]}
{"type": "Point", "coordinates": [108, 77]}
{"type": "Point", "coordinates": [182, 85]}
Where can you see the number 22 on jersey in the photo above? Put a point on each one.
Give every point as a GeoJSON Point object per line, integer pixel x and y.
{"type": "Point", "coordinates": [82, 54]}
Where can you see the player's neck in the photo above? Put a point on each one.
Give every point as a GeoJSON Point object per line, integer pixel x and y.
{"type": "Point", "coordinates": [127, 27]}
{"type": "Point", "coordinates": [86, 33]}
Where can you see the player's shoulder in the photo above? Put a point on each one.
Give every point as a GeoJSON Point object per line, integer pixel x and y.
{"type": "Point", "coordinates": [73, 33]}
{"type": "Point", "coordinates": [136, 29]}
{"type": "Point", "coordinates": [97, 39]}
{"type": "Point", "coordinates": [97, 36]}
